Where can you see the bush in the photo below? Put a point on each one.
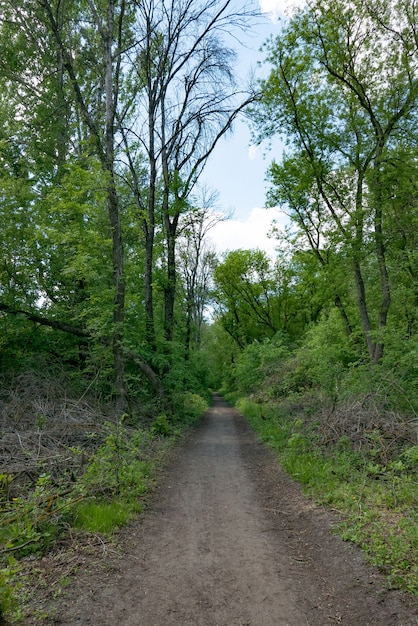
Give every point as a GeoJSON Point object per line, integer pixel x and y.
{"type": "Point", "coordinates": [8, 587]}
{"type": "Point", "coordinates": [161, 426]}
{"type": "Point", "coordinates": [117, 468]}
{"type": "Point", "coordinates": [258, 362]}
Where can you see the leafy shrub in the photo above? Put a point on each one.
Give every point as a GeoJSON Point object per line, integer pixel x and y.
{"type": "Point", "coordinates": [8, 587]}
{"type": "Point", "coordinates": [161, 426]}
{"type": "Point", "coordinates": [327, 353]}
{"type": "Point", "coordinates": [116, 468]}
{"type": "Point", "coordinates": [259, 361]}
{"type": "Point", "coordinates": [194, 405]}
{"type": "Point", "coordinates": [33, 522]}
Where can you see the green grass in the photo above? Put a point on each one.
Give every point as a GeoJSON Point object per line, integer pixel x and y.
{"type": "Point", "coordinates": [378, 504]}
{"type": "Point", "coordinates": [109, 493]}
{"type": "Point", "coordinates": [104, 517]}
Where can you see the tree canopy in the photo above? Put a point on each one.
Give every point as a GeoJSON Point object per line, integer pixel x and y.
{"type": "Point", "coordinates": [109, 112]}
{"type": "Point", "coordinates": [343, 91]}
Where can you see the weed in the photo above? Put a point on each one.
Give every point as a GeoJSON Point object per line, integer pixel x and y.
{"type": "Point", "coordinates": [161, 426]}
{"type": "Point", "coordinates": [374, 491]}
{"type": "Point", "coordinates": [117, 468]}
{"type": "Point", "coordinates": [9, 606]}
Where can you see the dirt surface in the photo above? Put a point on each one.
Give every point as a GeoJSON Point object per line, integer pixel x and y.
{"type": "Point", "coordinates": [229, 540]}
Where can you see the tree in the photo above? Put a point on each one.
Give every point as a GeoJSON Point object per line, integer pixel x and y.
{"type": "Point", "coordinates": [185, 98]}
{"type": "Point", "coordinates": [245, 290]}
{"type": "Point", "coordinates": [110, 26]}
{"type": "Point", "coordinates": [131, 98]}
{"type": "Point", "coordinates": [343, 88]}
{"type": "Point", "coordinates": [87, 60]}
{"type": "Point", "coordinates": [197, 260]}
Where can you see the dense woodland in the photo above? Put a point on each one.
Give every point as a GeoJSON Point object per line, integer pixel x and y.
{"type": "Point", "coordinates": [109, 113]}
{"type": "Point", "coordinates": [114, 306]}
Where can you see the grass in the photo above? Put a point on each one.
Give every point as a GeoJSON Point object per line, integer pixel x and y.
{"type": "Point", "coordinates": [378, 503]}
{"type": "Point", "coordinates": [109, 493]}
{"type": "Point", "coordinates": [104, 517]}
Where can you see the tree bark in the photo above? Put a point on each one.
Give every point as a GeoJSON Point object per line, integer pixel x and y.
{"type": "Point", "coordinates": [105, 143]}
{"type": "Point", "coordinates": [111, 84]}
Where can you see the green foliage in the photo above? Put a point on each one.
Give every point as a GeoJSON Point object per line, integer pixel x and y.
{"type": "Point", "coordinates": [117, 468]}
{"type": "Point", "coordinates": [326, 353]}
{"type": "Point", "coordinates": [161, 426]}
{"type": "Point", "coordinates": [9, 606]}
{"type": "Point", "coordinates": [32, 523]}
{"type": "Point", "coordinates": [259, 361]}
{"type": "Point", "coordinates": [271, 424]}
{"type": "Point", "coordinates": [378, 501]}
{"type": "Point", "coordinates": [188, 407]}
{"type": "Point", "coordinates": [245, 289]}
{"type": "Point", "coordinates": [220, 352]}
{"type": "Point", "coordinates": [192, 406]}
{"type": "Point", "coordinates": [348, 178]}
{"type": "Point", "coordinates": [390, 542]}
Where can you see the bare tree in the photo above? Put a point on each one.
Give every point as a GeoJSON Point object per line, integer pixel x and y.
{"type": "Point", "coordinates": [196, 261]}
{"type": "Point", "coordinates": [185, 99]}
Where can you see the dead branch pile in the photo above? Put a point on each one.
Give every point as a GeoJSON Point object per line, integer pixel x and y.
{"type": "Point", "coordinates": [45, 429]}
{"type": "Point", "coordinates": [365, 423]}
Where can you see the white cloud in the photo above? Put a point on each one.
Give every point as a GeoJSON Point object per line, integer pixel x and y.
{"type": "Point", "coordinates": [248, 233]}
{"type": "Point", "coordinates": [253, 152]}
{"type": "Point", "coordinates": [275, 8]}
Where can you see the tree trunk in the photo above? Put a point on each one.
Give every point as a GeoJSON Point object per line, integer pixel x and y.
{"type": "Point", "coordinates": [105, 143]}
{"type": "Point", "coordinates": [381, 257]}
{"type": "Point", "coordinates": [149, 231]}
{"type": "Point", "coordinates": [114, 218]}
{"type": "Point", "coordinates": [364, 314]}
{"type": "Point", "coordinates": [170, 288]}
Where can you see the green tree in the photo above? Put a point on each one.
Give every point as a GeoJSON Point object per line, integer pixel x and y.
{"type": "Point", "coordinates": [81, 45]}
{"type": "Point", "coordinates": [184, 99]}
{"type": "Point", "coordinates": [246, 296]}
{"type": "Point", "coordinates": [111, 110]}
{"type": "Point", "coordinates": [196, 262]}
{"type": "Point", "coordinates": [343, 89]}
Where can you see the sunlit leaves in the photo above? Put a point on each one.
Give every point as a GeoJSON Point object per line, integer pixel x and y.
{"type": "Point", "coordinates": [343, 90]}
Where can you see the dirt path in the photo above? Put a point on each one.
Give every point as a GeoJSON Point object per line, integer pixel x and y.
{"type": "Point", "coordinates": [230, 541]}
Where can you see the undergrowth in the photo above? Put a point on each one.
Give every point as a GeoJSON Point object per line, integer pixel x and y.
{"type": "Point", "coordinates": [107, 490]}
{"type": "Point", "coordinates": [374, 491]}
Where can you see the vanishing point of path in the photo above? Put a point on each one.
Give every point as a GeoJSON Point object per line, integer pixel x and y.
{"type": "Point", "coordinates": [229, 540]}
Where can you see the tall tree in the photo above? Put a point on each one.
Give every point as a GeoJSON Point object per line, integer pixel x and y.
{"type": "Point", "coordinates": [131, 99]}
{"type": "Point", "coordinates": [185, 98]}
{"type": "Point", "coordinates": [197, 260]}
{"type": "Point", "coordinates": [343, 88]}
{"type": "Point", "coordinates": [81, 45]}
{"type": "Point", "coordinates": [110, 29]}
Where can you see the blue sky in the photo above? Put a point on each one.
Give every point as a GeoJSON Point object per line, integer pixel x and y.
{"type": "Point", "coordinates": [237, 170]}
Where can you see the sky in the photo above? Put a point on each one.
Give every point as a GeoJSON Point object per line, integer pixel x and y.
{"type": "Point", "coordinates": [237, 170]}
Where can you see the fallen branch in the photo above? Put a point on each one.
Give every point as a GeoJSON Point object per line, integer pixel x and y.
{"type": "Point", "coordinates": [81, 332]}
{"type": "Point", "coordinates": [14, 548]}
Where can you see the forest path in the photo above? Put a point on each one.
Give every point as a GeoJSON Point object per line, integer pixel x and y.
{"type": "Point", "coordinates": [229, 540]}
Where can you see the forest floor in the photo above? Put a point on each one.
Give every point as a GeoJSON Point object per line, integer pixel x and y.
{"type": "Point", "coordinates": [227, 539]}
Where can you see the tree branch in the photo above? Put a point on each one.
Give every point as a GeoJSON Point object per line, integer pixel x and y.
{"type": "Point", "coordinates": [43, 321]}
